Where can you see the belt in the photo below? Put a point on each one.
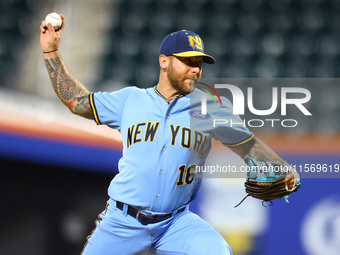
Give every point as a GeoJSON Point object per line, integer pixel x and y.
{"type": "Point", "coordinates": [146, 217]}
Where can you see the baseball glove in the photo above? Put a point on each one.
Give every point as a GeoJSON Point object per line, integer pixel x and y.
{"type": "Point", "coordinates": [265, 180]}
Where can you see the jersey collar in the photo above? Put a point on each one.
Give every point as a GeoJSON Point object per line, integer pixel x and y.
{"type": "Point", "coordinates": [164, 98]}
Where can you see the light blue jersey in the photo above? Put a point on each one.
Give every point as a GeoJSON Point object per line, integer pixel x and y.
{"type": "Point", "coordinates": [162, 143]}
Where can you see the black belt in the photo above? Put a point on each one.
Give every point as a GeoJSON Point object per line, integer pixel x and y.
{"type": "Point", "coordinates": [147, 217]}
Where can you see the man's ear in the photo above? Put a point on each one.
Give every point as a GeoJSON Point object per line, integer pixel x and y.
{"type": "Point", "coordinates": [163, 61]}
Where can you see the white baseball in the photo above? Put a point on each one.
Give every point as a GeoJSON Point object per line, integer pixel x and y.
{"type": "Point", "coordinates": [55, 20]}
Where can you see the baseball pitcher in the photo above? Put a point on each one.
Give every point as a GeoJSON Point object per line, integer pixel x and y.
{"type": "Point", "coordinates": [148, 207]}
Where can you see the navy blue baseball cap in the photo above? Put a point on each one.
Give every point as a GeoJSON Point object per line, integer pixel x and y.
{"type": "Point", "coordinates": [184, 43]}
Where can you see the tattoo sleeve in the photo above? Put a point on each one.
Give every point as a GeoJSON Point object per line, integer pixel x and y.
{"type": "Point", "coordinates": [69, 90]}
{"type": "Point", "coordinates": [259, 150]}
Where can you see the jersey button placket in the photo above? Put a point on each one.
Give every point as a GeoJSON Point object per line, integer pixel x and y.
{"type": "Point", "coordinates": [161, 173]}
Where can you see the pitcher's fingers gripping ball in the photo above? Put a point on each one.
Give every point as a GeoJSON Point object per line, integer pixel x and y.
{"type": "Point", "coordinates": [268, 181]}
{"type": "Point", "coordinates": [55, 20]}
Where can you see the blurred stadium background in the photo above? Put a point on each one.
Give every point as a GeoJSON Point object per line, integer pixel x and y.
{"type": "Point", "coordinates": [56, 167]}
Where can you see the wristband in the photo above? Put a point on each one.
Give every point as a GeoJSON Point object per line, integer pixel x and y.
{"type": "Point", "coordinates": [49, 51]}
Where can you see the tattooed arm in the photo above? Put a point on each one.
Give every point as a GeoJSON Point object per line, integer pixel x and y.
{"type": "Point", "coordinates": [69, 90]}
{"type": "Point", "coordinates": [257, 149]}
{"type": "Point", "coordinates": [262, 152]}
